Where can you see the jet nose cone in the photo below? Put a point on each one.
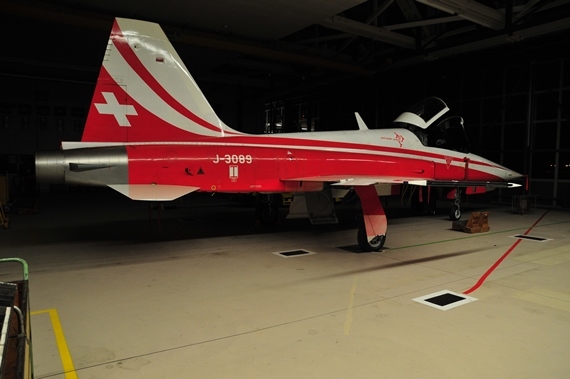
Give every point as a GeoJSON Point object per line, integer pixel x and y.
{"type": "Point", "coordinates": [510, 174]}
{"type": "Point", "coordinates": [513, 178]}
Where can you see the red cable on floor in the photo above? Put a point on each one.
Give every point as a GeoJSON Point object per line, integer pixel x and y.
{"type": "Point", "coordinates": [493, 267]}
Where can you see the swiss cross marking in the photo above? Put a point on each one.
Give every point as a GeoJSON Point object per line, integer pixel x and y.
{"type": "Point", "coordinates": [112, 107]}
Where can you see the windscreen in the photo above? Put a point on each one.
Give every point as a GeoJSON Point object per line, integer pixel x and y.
{"type": "Point", "coordinates": [422, 120]}
{"type": "Point", "coordinates": [449, 134]}
{"type": "Point", "coordinates": [429, 109]}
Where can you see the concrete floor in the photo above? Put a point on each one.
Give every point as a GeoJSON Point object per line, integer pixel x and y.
{"type": "Point", "coordinates": [204, 296]}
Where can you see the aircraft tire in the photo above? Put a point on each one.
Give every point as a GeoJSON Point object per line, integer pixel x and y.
{"type": "Point", "coordinates": [369, 246]}
{"type": "Point", "coordinates": [454, 212]}
{"type": "Point", "coordinates": [267, 214]}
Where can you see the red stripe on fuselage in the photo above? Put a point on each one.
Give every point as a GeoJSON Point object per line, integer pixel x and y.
{"type": "Point", "coordinates": [323, 144]}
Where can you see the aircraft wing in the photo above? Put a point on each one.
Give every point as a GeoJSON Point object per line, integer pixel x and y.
{"type": "Point", "coordinates": [362, 180]}
{"type": "Point", "coordinates": [341, 180]}
{"type": "Point", "coordinates": [466, 183]}
{"type": "Point", "coordinates": [153, 192]}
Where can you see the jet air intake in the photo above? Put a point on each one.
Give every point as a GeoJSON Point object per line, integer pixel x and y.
{"type": "Point", "coordinates": [91, 166]}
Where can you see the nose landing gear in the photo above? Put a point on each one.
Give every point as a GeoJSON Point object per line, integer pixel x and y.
{"type": "Point", "coordinates": [455, 210]}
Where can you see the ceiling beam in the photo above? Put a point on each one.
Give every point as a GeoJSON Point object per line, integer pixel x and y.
{"type": "Point", "coordinates": [413, 24]}
{"type": "Point", "coordinates": [498, 40]}
{"type": "Point", "coordinates": [100, 22]}
{"type": "Point", "coordinates": [372, 32]}
{"type": "Point", "coordinates": [412, 13]}
{"type": "Point", "coordinates": [470, 10]}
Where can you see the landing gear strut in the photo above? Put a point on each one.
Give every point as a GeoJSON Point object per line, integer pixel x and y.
{"type": "Point", "coordinates": [455, 211]}
{"type": "Point", "coordinates": [372, 233]}
{"type": "Point", "coordinates": [267, 210]}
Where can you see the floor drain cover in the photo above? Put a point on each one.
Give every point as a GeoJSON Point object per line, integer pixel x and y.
{"type": "Point", "coordinates": [531, 238]}
{"type": "Point", "coordinates": [444, 300]}
{"type": "Point", "coordinates": [294, 253]}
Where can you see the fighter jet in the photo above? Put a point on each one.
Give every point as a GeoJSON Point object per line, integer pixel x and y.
{"type": "Point", "coordinates": [152, 135]}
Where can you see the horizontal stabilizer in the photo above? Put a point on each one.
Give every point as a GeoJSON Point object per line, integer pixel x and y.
{"type": "Point", "coordinates": [153, 192]}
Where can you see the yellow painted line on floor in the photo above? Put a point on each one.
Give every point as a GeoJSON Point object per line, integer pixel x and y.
{"type": "Point", "coordinates": [68, 368]}
{"type": "Point", "coordinates": [349, 311]}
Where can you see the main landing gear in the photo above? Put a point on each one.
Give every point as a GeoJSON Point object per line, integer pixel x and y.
{"type": "Point", "coordinates": [455, 210]}
{"type": "Point", "coordinates": [375, 244]}
{"type": "Point", "coordinates": [267, 209]}
{"type": "Point", "coordinates": [372, 232]}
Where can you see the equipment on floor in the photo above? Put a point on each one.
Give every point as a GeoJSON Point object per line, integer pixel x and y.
{"type": "Point", "coordinates": [16, 336]}
{"type": "Point", "coordinates": [477, 223]}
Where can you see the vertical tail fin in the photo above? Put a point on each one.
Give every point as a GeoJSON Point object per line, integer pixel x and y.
{"type": "Point", "coordinates": [145, 93]}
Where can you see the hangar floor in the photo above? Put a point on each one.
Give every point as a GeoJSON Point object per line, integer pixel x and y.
{"type": "Point", "coordinates": [203, 295]}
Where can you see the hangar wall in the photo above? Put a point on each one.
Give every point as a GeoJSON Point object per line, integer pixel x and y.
{"type": "Point", "coordinates": [521, 120]}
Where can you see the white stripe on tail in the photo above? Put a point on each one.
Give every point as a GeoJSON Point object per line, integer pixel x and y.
{"type": "Point", "coordinates": [145, 93]}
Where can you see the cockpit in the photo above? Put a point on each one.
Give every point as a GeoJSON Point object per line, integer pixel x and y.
{"type": "Point", "coordinates": [424, 119]}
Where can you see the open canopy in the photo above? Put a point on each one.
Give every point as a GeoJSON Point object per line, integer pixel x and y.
{"type": "Point", "coordinates": [425, 120]}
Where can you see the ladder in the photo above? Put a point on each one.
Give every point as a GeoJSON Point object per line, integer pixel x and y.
{"type": "Point", "coordinates": [16, 336]}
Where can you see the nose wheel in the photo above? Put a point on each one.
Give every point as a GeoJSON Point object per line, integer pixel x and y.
{"type": "Point", "coordinates": [455, 210]}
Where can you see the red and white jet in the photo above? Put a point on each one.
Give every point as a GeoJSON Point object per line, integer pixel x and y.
{"type": "Point", "coordinates": [152, 135]}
